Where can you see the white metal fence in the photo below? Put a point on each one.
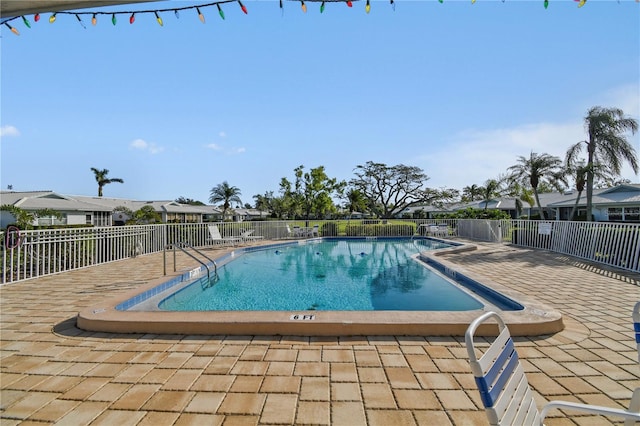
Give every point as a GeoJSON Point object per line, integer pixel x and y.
{"type": "Point", "coordinates": [614, 244]}
{"type": "Point", "coordinates": [34, 253]}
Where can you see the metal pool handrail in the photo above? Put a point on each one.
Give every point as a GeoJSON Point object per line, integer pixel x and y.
{"type": "Point", "coordinates": [181, 246]}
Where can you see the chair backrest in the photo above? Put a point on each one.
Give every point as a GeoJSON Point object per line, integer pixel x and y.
{"type": "Point", "coordinates": [247, 232]}
{"type": "Point", "coordinates": [214, 232]}
{"type": "Point", "coordinates": [503, 386]}
{"type": "Point", "coordinates": [636, 325]}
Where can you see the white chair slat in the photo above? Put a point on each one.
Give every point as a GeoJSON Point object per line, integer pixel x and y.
{"type": "Point", "coordinates": [511, 396]}
{"type": "Point", "coordinates": [528, 411]}
{"type": "Point", "coordinates": [487, 359]}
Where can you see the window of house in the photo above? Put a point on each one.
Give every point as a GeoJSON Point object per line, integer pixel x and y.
{"type": "Point", "coordinates": [632, 214]}
{"type": "Point", "coordinates": [87, 219]}
{"type": "Point", "coordinates": [615, 213]}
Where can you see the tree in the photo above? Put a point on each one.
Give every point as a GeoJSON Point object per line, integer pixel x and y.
{"type": "Point", "coordinates": [520, 193]}
{"type": "Point", "coordinates": [311, 193]}
{"type": "Point", "coordinates": [606, 145]}
{"type": "Point", "coordinates": [146, 215]}
{"type": "Point", "coordinates": [189, 201]}
{"type": "Point", "coordinates": [537, 170]}
{"type": "Point", "coordinates": [270, 203]}
{"type": "Point", "coordinates": [492, 188]}
{"type": "Point", "coordinates": [391, 189]}
{"type": "Point", "coordinates": [355, 201]}
{"type": "Point", "coordinates": [24, 219]}
{"type": "Point", "coordinates": [577, 169]}
{"type": "Point", "coordinates": [471, 193]}
{"type": "Point", "coordinates": [101, 178]}
{"type": "Point", "coordinates": [226, 194]}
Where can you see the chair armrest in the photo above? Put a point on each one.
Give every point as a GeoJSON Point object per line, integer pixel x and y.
{"type": "Point", "coordinates": [586, 408]}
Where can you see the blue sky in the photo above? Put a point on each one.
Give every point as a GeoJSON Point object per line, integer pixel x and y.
{"type": "Point", "coordinates": [457, 89]}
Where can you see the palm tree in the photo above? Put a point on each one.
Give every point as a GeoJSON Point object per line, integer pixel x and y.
{"type": "Point", "coordinates": [226, 194]}
{"type": "Point", "coordinates": [520, 193]}
{"type": "Point", "coordinates": [355, 201]}
{"type": "Point", "coordinates": [101, 178]}
{"type": "Point", "coordinates": [607, 145]}
{"type": "Point", "coordinates": [536, 170]}
{"type": "Point", "coordinates": [492, 188]}
{"type": "Point", "coordinates": [577, 168]}
{"type": "Point", "coordinates": [472, 193]}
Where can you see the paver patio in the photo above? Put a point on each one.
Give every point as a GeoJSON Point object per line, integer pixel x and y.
{"type": "Point", "coordinates": [52, 372]}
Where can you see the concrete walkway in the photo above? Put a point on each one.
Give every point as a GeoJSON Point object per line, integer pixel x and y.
{"type": "Point", "coordinates": [52, 372]}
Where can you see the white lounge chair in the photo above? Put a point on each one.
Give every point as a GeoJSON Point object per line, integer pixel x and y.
{"type": "Point", "coordinates": [503, 386]}
{"type": "Point", "coordinates": [248, 235]}
{"type": "Point", "coordinates": [217, 238]}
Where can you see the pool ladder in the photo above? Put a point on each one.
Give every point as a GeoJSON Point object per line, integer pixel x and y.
{"type": "Point", "coordinates": [182, 246]}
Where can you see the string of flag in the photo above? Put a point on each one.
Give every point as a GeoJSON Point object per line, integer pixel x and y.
{"type": "Point", "coordinates": [159, 13]}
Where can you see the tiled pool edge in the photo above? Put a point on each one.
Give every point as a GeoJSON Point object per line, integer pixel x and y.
{"type": "Point", "coordinates": [534, 320]}
{"type": "Point", "coordinates": [525, 322]}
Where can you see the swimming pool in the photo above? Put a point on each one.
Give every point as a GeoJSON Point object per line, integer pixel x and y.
{"type": "Point", "coordinates": [138, 310]}
{"type": "Point", "coordinates": [329, 275]}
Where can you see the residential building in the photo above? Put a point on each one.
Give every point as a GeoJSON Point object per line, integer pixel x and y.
{"type": "Point", "coordinates": [98, 211]}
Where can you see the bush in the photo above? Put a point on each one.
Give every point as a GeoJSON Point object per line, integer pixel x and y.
{"type": "Point", "coordinates": [471, 213]}
{"type": "Point", "coordinates": [379, 230]}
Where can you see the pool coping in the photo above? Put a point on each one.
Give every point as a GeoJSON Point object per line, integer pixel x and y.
{"type": "Point", "coordinates": [534, 320]}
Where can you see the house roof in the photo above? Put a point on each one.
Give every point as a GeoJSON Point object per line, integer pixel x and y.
{"type": "Point", "coordinates": [621, 194]}
{"type": "Point", "coordinates": [168, 206]}
{"type": "Point", "coordinates": [251, 212]}
{"type": "Point", "coordinates": [38, 200]}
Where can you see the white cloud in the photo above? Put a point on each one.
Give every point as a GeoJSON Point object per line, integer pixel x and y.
{"type": "Point", "coordinates": [143, 145]}
{"type": "Point", "coordinates": [627, 98]}
{"type": "Point", "coordinates": [473, 156]}
{"type": "Point", "coordinates": [6, 131]}
{"type": "Point", "coordinates": [222, 134]}
{"type": "Point", "coordinates": [216, 147]}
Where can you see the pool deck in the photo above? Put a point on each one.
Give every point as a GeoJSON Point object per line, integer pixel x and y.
{"type": "Point", "coordinates": [52, 372]}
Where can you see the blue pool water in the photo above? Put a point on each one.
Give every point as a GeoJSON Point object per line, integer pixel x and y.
{"type": "Point", "coordinates": [359, 275]}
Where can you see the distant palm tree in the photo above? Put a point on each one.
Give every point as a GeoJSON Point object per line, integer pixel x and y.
{"type": "Point", "coordinates": [607, 145]}
{"type": "Point", "coordinates": [356, 201]}
{"type": "Point", "coordinates": [226, 194]}
{"type": "Point", "coordinates": [101, 178]}
{"type": "Point", "coordinates": [472, 193]}
{"type": "Point", "coordinates": [577, 169]}
{"type": "Point", "coordinates": [535, 170]}
{"type": "Point", "coordinates": [520, 193]}
{"type": "Point", "coordinates": [491, 189]}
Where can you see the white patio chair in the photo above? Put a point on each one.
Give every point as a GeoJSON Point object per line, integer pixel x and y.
{"type": "Point", "coordinates": [216, 238]}
{"type": "Point", "coordinates": [503, 386]}
{"type": "Point", "coordinates": [442, 231]}
{"type": "Point", "coordinates": [248, 235]}
{"type": "Point", "coordinates": [313, 231]}
{"type": "Point", "coordinates": [298, 232]}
